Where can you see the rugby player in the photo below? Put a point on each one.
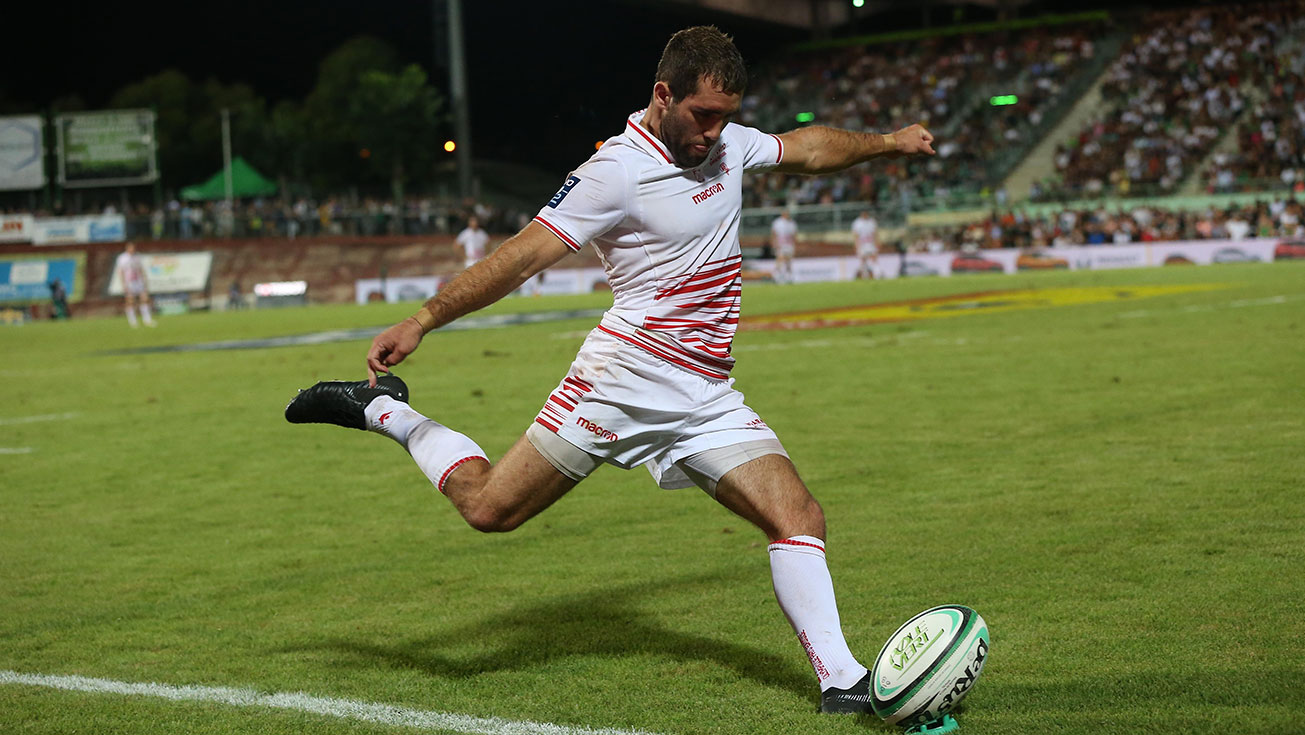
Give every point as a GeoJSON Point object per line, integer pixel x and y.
{"type": "Point", "coordinates": [651, 385]}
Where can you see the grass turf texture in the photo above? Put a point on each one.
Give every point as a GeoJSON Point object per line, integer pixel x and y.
{"type": "Point", "coordinates": [1115, 487]}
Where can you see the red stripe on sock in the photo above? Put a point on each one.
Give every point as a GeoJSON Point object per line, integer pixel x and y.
{"type": "Point", "coordinates": [440, 485]}
{"type": "Point", "coordinates": [793, 542]}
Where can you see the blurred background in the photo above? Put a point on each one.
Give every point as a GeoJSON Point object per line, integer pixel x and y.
{"type": "Point", "coordinates": [263, 154]}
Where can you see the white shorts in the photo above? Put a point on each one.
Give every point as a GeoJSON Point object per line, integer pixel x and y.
{"type": "Point", "coordinates": [785, 251]}
{"type": "Point", "coordinates": [627, 407]}
{"type": "Point", "coordinates": [133, 288]}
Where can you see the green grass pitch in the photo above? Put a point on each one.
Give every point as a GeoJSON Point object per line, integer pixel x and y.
{"type": "Point", "coordinates": [1116, 487]}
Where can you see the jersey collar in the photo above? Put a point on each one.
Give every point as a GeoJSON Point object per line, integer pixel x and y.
{"type": "Point", "coordinates": [637, 134]}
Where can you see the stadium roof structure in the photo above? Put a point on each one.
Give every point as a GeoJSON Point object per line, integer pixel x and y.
{"type": "Point", "coordinates": [818, 15]}
{"type": "Point", "coordinates": [245, 182]}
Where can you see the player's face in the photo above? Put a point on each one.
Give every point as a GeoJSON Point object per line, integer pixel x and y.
{"type": "Point", "coordinates": [691, 126]}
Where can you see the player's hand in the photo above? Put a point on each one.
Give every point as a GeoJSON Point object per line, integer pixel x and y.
{"type": "Point", "coordinates": [913, 140]}
{"type": "Point", "coordinates": [391, 346]}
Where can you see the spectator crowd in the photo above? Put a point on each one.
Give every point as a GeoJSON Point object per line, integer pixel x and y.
{"type": "Point", "coordinates": [1186, 78]}
{"type": "Point", "coordinates": [1276, 218]}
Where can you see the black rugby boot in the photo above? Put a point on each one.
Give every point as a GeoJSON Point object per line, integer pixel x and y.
{"type": "Point", "coordinates": [856, 699]}
{"type": "Point", "coordinates": [341, 402]}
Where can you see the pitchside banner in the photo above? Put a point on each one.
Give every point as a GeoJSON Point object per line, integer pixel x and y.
{"type": "Point", "coordinates": [171, 272]}
{"type": "Point", "coordinates": [77, 230]}
{"type": "Point", "coordinates": [22, 148]}
{"type": "Point", "coordinates": [16, 227]}
{"type": "Point", "coordinates": [114, 148]}
{"type": "Point", "coordinates": [27, 280]}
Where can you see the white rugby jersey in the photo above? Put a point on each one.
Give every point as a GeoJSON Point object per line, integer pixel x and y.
{"type": "Point", "coordinates": [864, 229]}
{"type": "Point", "coordinates": [668, 238]}
{"type": "Point", "coordinates": [131, 267]}
{"type": "Point", "coordinates": [784, 231]}
{"type": "Point", "coordinates": [473, 243]}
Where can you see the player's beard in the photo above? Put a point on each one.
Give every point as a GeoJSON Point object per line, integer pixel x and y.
{"type": "Point", "coordinates": [678, 137]}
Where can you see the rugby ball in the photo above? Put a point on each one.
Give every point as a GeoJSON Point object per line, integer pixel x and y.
{"type": "Point", "coordinates": [928, 666]}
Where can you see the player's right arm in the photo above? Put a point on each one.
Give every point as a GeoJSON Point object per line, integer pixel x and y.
{"type": "Point", "coordinates": [590, 203]}
{"type": "Point", "coordinates": [520, 257]}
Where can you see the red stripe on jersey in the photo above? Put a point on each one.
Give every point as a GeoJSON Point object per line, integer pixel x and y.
{"type": "Point", "coordinates": [666, 355]}
{"type": "Point", "coordinates": [440, 485]}
{"type": "Point", "coordinates": [540, 420]}
{"type": "Point", "coordinates": [700, 284]}
{"type": "Point", "coordinates": [781, 147]}
{"type": "Point", "coordinates": [794, 542]}
{"type": "Point", "coordinates": [578, 383]}
{"type": "Point", "coordinates": [569, 242]}
{"type": "Point", "coordinates": [650, 139]}
{"type": "Point", "coordinates": [555, 398]}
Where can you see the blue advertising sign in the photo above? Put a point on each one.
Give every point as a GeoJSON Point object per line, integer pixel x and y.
{"type": "Point", "coordinates": [28, 280]}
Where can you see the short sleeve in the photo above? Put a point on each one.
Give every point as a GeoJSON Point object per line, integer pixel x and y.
{"type": "Point", "coordinates": [592, 201]}
{"type": "Point", "coordinates": [760, 150]}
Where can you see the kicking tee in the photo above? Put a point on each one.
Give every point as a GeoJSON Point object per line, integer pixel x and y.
{"type": "Point", "coordinates": [668, 239]}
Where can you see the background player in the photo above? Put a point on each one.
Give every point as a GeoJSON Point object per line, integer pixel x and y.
{"type": "Point", "coordinates": [135, 287]}
{"type": "Point", "coordinates": [651, 385]}
{"type": "Point", "coordinates": [865, 233]}
{"type": "Point", "coordinates": [783, 237]}
{"type": "Point", "coordinates": [473, 241]}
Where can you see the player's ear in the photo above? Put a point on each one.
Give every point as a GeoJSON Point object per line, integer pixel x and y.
{"type": "Point", "coordinates": [662, 95]}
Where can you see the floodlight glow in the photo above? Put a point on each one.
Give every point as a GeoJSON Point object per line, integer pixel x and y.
{"type": "Point", "coordinates": [858, 3]}
{"type": "Point", "coordinates": [450, 146]}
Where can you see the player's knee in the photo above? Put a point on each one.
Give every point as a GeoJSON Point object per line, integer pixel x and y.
{"type": "Point", "coordinates": [492, 519]}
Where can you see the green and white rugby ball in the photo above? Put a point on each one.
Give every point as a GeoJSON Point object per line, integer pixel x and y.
{"type": "Point", "coordinates": [928, 666]}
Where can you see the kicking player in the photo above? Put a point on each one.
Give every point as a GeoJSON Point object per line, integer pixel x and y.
{"type": "Point", "coordinates": [651, 385]}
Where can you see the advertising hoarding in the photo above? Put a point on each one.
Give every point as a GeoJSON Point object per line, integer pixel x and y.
{"type": "Point", "coordinates": [110, 148]}
{"type": "Point", "coordinates": [22, 153]}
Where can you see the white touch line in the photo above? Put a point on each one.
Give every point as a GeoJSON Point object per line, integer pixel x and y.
{"type": "Point", "coordinates": [15, 420]}
{"type": "Point", "coordinates": [15, 450]}
{"type": "Point", "coordinates": [345, 709]}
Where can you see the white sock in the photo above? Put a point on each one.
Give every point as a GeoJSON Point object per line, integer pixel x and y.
{"type": "Point", "coordinates": [806, 595]}
{"type": "Point", "coordinates": [145, 313]}
{"type": "Point", "coordinates": [131, 315]}
{"type": "Point", "coordinates": [436, 448]}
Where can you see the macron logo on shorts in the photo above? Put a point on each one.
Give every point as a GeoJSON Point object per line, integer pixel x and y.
{"type": "Point", "coordinates": [590, 426]}
{"type": "Point", "coordinates": [571, 181]}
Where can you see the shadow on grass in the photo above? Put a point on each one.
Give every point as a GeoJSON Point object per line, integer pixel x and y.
{"type": "Point", "coordinates": [604, 622]}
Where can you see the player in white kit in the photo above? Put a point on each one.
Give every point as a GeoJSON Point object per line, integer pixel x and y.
{"type": "Point", "coordinates": [135, 288]}
{"type": "Point", "coordinates": [660, 203]}
{"type": "Point", "coordinates": [473, 241]}
{"type": "Point", "coordinates": [783, 237]}
{"type": "Point", "coordinates": [865, 232]}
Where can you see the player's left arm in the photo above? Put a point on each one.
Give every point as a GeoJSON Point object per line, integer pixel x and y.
{"type": "Point", "coordinates": [821, 150]}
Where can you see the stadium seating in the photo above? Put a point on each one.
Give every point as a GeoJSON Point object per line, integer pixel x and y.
{"type": "Point", "coordinates": [1173, 92]}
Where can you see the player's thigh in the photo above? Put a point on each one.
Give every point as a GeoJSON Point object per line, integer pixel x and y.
{"type": "Point", "coordinates": [768, 492]}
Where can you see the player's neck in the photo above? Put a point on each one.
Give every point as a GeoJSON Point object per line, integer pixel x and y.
{"type": "Point", "coordinates": [652, 118]}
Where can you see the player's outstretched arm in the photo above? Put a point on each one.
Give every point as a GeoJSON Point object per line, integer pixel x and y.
{"type": "Point", "coordinates": [520, 257]}
{"type": "Point", "coordinates": [820, 150]}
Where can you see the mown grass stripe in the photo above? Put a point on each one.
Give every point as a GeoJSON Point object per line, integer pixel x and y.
{"type": "Point", "coordinates": [345, 709]}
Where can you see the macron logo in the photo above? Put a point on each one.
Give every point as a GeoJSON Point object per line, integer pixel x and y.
{"type": "Point", "coordinates": [590, 426]}
{"type": "Point", "coordinates": [708, 193]}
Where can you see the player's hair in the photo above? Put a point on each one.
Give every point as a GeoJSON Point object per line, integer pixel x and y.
{"type": "Point", "coordinates": [697, 52]}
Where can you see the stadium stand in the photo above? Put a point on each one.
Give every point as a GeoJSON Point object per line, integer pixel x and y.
{"type": "Point", "coordinates": [1184, 79]}
{"type": "Point", "coordinates": [946, 82]}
